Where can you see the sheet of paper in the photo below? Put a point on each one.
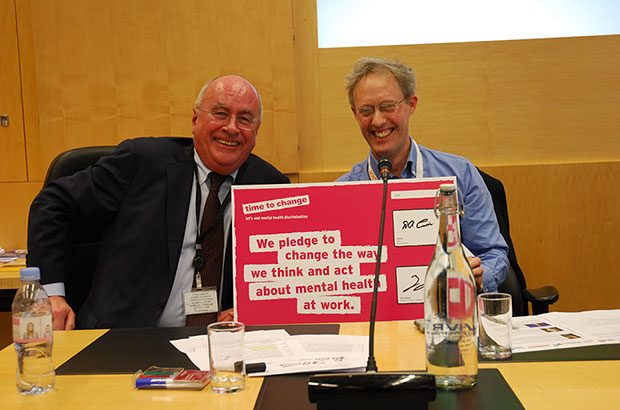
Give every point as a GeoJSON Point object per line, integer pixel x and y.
{"type": "Point", "coordinates": [560, 330]}
{"type": "Point", "coordinates": [356, 345]}
{"type": "Point", "coordinates": [320, 353]}
{"type": "Point", "coordinates": [284, 354]}
{"type": "Point", "coordinates": [326, 363]}
{"type": "Point", "coordinates": [265, 348]}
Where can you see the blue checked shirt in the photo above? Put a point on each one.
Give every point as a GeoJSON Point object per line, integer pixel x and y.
{"type": "Point", "coordinates": [479, 228]}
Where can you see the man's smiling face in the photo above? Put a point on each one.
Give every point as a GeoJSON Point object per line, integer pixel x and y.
{"type": "Point", "coordinates": [387, 133]}
{"type": "Point", "coordinates": [226, 123]}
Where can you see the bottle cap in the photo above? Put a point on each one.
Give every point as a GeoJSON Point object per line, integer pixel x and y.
{"type": "Point", "coordinates": [29, 274]}
{"type": "Point", "coordinates": [447, 188]}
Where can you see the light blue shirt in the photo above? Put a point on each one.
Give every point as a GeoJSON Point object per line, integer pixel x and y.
{"type": "Point", "coordinates": [479, 228]}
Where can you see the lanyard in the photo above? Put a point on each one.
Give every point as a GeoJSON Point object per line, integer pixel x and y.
{"type": "Point", "coordinates": [419, 166]}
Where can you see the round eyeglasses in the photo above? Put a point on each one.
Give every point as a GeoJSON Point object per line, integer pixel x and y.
{"type": "Point", "coordinates": [245, 121]}
{"type": "Point", "coordinates": [385, 107]}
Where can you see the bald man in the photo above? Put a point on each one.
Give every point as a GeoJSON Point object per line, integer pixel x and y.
{"type": "Point", "coordinates": [148, 195]}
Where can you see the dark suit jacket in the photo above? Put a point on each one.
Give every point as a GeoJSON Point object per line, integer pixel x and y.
{"type": "Point", "coordinates": [138, 198]}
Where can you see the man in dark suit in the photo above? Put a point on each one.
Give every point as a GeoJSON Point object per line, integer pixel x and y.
{"type": "Point", "coordinates": [148, 195]}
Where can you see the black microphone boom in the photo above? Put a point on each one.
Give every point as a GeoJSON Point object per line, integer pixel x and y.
{"type": "Point", "coordinates": [373, 389]}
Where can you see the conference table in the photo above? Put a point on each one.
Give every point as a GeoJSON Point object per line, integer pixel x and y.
{"type": "Point", "coordinates": [399, 346]}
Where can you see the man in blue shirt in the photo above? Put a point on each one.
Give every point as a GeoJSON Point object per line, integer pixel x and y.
{"type": "Point", "coordinates": [382, 98]}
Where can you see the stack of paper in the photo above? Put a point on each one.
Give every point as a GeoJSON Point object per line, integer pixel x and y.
{"type": "Point", "coordinates": [284, 354]}
{"type": "Point", "coordinates": [10, 256]}
{"type": "Point", "coordinates": [4, 257]}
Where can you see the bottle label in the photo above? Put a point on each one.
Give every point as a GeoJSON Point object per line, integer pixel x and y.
{"type": "Point", "coordinates": [452, 232]}
{"type": "Point", "coordinates": [31, 329]}
{"type": "Point", "coordinates": [461, 296]}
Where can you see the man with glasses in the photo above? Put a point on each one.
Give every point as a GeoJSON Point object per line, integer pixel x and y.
{"type": "Point", "coordinates": [382, 98]}
{"type": "Point", "coordinates": [157, 242]}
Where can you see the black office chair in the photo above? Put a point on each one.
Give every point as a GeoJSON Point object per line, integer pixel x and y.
{"type": "Point", "coordinates": [515, 284]}
{"type": "Point", "coordinates": [74, 160]}
{"type": "Point", "coordinates": [84, 240]}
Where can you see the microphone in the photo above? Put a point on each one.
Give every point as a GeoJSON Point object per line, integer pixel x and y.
{"type": "Point", "coordinates": [385, 166]}
{"type": "Point", "coordinates": [373, 389]}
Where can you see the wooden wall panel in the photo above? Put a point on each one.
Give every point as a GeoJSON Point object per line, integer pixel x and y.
{"type": "Point", "coordinates": [497, 103]}
{"type": "Point", "coordinates": [100, 72]}
{"type": "Point", "coordinates": [565, 228]}
{"type": "Point", "coordinates": [12, 144]}
{"type": "Point", "coordinates": [14, 206]}
{"type": "Point", "coordinates": [308, 87]}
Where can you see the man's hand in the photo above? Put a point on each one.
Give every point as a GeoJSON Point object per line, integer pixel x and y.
{"type": "Point", "coordinates": [63, 317]}
{"type": "Point", "coordinates": [226, 316]}
{"type": "Point", "coordinates": [476, 267]}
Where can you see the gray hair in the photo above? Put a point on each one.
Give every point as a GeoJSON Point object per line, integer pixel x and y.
{"type": "Point", "coordinates": [403, 74]}
{"type": "Point", "coordinates": [203, 90]}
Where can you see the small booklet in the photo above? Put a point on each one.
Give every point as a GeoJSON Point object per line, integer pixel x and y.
{"type": "Point", "coordinates": [156, 377]}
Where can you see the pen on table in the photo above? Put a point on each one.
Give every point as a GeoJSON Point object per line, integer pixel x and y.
{"type": "Point", "coordinates": [152, 382]}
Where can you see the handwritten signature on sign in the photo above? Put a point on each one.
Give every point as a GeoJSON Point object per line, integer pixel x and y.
{"type": "Point", "coordinates": [416, 286]}
{"type": "Point", "coordinates": [422, 223]}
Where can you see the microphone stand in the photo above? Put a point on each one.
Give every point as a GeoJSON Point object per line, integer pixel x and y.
{"type": "Point", "coordinates": [373, 389]}
{"type": "Point", "coordinates": [384, 170]}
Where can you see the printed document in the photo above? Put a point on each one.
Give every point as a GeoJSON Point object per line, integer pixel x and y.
{"type": "Point", "coordinates": [559, 330]}
{"type": "Point", "coordinates": [285, 354]}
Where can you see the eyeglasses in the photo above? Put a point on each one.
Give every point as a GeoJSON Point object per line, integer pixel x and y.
{"type": "Point", "coordinates": [244, 121]}
{"type": "Point", "coordinates": [385, 107]}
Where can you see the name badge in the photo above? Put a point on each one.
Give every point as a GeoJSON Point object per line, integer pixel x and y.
{"type": "Point", "coordinates": [199, 301]}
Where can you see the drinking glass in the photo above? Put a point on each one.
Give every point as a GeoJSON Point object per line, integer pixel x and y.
{"type": "Point", "coordinates": [226, 344]}
{"type": "Point", "coordinates": [495, 325]}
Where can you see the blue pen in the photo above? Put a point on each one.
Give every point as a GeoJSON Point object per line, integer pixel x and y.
{"type": "Point", "coordinates": [172, 378]}
{"type": "Point", "coordinates": [144, 382]}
